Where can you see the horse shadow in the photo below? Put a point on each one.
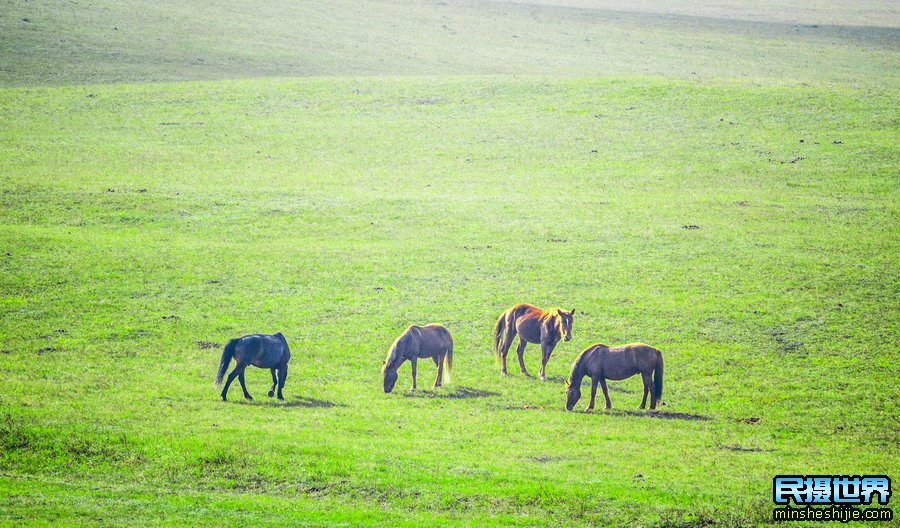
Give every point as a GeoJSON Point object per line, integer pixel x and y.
{"type": "Point", "coordinates": [454, 393]}
{"type": "Point", "coordinates": [296, 401]}
{"type": "Point", "coordinates": [556, 379]}
{"type": "Point", "coordinates": [587, 383]}
{"type": "Point", "coordinates": [666, 415]}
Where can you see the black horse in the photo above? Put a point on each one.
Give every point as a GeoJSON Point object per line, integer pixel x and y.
{"type": "Point", "coordinates": [259, 350]}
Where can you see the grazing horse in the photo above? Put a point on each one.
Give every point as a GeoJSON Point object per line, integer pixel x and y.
{"type": "Point", "coordinates": [259, 350]}
{"type": "Point", "coordinates": [601, 362]}
{"type": "Point", "coordinates": [533, 325]}
{"type": "Point", "coordinates": [429, 341]}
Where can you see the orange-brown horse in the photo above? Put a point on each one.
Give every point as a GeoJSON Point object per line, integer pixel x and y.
{"type": "Point", "coordinates": [532, 325]}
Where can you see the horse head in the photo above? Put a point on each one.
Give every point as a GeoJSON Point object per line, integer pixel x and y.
{"type": "Point", "coordinates": [390, 379]}
{"type": "Point", "coordinates": [396, 356]}
{"type": "Point", "coordinates": [565, 322]}
{"type": "Point", "coordinates": [573, 394]}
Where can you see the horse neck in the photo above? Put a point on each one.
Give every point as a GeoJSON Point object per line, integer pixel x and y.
{"type": "Point", "coordinates": [395, 357]}
{"type": "Point", "coordinates": [579, 371]}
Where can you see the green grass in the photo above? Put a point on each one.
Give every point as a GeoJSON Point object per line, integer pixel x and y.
{"type": "Point", "coordinates": [375, 204]}
{"type": "Point", "coordinates": [142, 223]}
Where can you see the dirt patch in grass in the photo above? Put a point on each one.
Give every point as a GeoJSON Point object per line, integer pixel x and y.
{"type": "Point", "coordinates": [742, 449]}
{"type": "Point", "coordinates": [784, 340]}
{"type": "Point", "coordinates": [544, 459]}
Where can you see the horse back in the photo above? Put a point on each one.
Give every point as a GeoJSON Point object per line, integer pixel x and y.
{"type": "Point", "coordinates": [262, 350]}
{"type": "Point", "coordinates": [644, 357]}
{"type": "Point", "coordinates": [619, 362]}
{"type": "Point", "coordinates": [434, 339]}
{"type": "Point", "coordinates": [521, 310]}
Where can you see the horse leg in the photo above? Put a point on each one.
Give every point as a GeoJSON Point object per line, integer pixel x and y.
{"type": "Point", "coordinates": [504, 347]}
{"type": "Point", "coordinates": [590, 406]}
{"type": "Point", "coordinates": [520, 351]}
{"type": "Point", "coordinates": [605, 393]}
{"type": "Point", "coordinates": [413, 364]}
{"type": "Point", "coordinates": [231, 377]}
{"type": "Point", "coordinates": [648, 384]}
{"type": "Point", "coordinates": [244, 385]}
{"type": "Point", "coordinates": [439, 361]}
{"type": "Point", "coordinates": [274, 383]}
{"type": "Point", "coordinates": [546, 350]}
{"type": "Point", "coordinates": [282, 377]}
{"type": "Point", "coordinates": [238, 372]}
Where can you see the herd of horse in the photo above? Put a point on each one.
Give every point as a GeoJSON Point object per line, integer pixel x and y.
{"type": "Point", "coordinates": [433, 341]}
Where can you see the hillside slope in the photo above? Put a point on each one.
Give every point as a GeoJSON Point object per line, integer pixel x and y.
{"type": "Point", "coordinates": [132, 41]}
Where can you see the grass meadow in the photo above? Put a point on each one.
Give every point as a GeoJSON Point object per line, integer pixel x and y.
{"type": "Point", "coordinates": [717, 183]}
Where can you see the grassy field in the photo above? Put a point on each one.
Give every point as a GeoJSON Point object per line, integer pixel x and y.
{"type": "Point", "coordinates": [152, 207]}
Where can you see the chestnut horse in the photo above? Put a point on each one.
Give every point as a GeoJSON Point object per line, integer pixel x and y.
{"type": "Point", "coordinates": [532, 325]}
{"type": "Point", "coordinates": [601, 362]}
{"type": "Point", "coordinates": [429, 341]}
{"type": "Point", "coordinates": [260, 350]}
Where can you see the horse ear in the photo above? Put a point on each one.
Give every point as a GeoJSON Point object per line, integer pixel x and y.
{"type": "Point", "coordinates": [572, 312]}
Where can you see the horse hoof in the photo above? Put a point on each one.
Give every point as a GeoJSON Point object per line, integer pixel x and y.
{"type": "Point", "coordinates": [280, 397]}
{"type": "Point", "coordinates": [248, 398]}
{"type": "Point", "coordinates": [543, 378]}
{"type": "Point", "coordinates": [589, 410]}
{"type": "Point", "coordinates": [271, 393]}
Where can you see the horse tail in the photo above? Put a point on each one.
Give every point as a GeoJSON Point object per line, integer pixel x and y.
{"type": "Point", "coordinates": [448, 364]}
{"type": "Point", "coordinates": [498, 334]}
{"type": "Point", "coordinates": [227, 354]}
{"type": "Point", "coordinates": [658, 378]}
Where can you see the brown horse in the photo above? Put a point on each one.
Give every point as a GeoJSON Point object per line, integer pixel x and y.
{"type": "Point", "coordinates": [533, 325]}
{"type": "Point", "coordinates": [429, 341]}
{"type": "Point", "coordinates": [601, 363]}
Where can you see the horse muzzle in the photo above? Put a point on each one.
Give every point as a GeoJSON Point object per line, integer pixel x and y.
{"type": "Point", "coordinates": [568, 337]}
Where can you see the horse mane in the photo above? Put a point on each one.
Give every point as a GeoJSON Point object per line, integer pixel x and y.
{"type": "Point", "coordinates": [581, 357]}
{"type": "Point", "coordinates": [551, 313]}
{"type": "Point", "coordinates": [575, 365]}
{"type": "Point", "coordinates": [395, 354]}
